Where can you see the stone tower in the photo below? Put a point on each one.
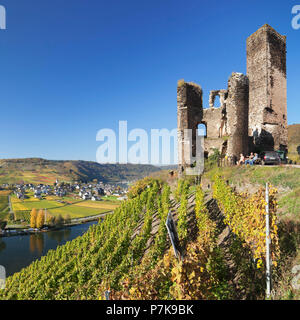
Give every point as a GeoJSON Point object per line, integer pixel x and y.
{"type": "Point", "coordinates": [237, 110]}
{"type": "Point", "coordinates": [189, 115]}
{"type": "Point", "coordinates": [266, 71]}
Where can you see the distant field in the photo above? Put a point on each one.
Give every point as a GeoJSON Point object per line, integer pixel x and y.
{"type": "Point", "coordinates": [41, 176]}
{"type": "Point", "coordinates": [108, 205]}
{"type": "Point", "coordinates": [73, 207]}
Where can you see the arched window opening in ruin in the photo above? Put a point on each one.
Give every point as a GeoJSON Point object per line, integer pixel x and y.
{"type": "Point", "coordinates": [202, 130]}
{"type": "Point", "coordinates": [217, 102]}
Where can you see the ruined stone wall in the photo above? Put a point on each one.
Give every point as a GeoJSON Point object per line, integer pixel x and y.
{"type": "Point", "coordinates": [216, 122]}
{"type": "Point", "coordinates": [189, 115]}
{"type": "Point", "coordinates": [226, 126]}
{"type": "Point", "coordinates": [212, 96]}
{"type": "Point", "coordinates": [253, 111]}
{"type": "Point", "coordinates": [212, 118]}
{"type": "Point", "coordinates": [266, 70]}
{"type": "Point", "coordinates": [237, 108]}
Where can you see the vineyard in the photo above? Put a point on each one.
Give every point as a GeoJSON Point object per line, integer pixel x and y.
{"type": "Point", "coordinates": [129, 252]}
{"type": "Point", "coordinates": [4, 206]}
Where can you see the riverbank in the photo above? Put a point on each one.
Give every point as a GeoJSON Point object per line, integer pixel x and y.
{"type": "Point", "coordinates": [13, 231]}
{"type": "Point", "coordinates": [17, 252]}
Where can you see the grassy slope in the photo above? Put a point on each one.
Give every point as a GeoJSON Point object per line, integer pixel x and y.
{"type": "Point", "coordinates": [286, 179]}
{"type": "Point", "coordinates": [294, 142]}
{"type": "Point", "coordinates": [35, 170]}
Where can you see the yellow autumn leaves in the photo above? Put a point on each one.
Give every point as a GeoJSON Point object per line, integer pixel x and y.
{"type": "Point", "coordinates": [37, 218]}
{"type": "Point", "coordinates": [246, 217]}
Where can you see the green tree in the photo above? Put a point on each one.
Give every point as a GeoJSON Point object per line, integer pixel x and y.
{"type": "Point", "coordinates": [50, 219]}
{"type": "Point", "coordinates": [67, 219]}
{"type": "Point", "coordinates": [58, 221]}
{"type": "Point", "coordinates": [2, 225]}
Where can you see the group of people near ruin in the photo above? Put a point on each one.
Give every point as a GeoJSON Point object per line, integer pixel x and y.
{"type": "Point", "coordinates": [247, 160]}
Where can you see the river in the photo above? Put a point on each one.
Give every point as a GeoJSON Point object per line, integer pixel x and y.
{"type": "Point", "coordinates": [17, 252]}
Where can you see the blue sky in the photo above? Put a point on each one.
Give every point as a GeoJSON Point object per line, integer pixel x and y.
{"type": "Point", "coordinates": [71, 68]}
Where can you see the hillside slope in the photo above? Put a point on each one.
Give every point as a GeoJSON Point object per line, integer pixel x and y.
{"type": "Point", "coordinates": [294, 142]}
{"type": "Point", "coordinates": [128, 252]}
{"type": "Point", "coordinates": [36, 170]}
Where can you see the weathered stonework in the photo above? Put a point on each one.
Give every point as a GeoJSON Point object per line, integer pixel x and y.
{"type": "Point", "coordinates": [253, 109]}
{"type": "Point", "coordinates": [266, 70]}
{"type": "Point", "coordinates": [190, 113]}
{"type": "Point", "coordinates": [227, 126]}
{"type": "Point", "coordinates": [213, 94]}
{"type": "Point", "coordinates": [237, 106]}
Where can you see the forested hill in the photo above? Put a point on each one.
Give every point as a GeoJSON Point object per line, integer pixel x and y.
{"type": "Point", "coordinates": [37, 170]}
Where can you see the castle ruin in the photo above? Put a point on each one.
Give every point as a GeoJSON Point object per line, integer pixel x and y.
{"type": "Point", "coordinates": [252, 115]}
